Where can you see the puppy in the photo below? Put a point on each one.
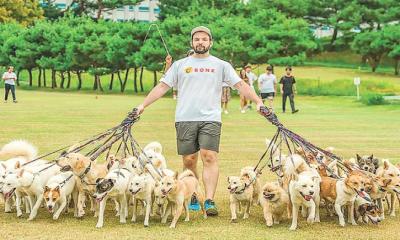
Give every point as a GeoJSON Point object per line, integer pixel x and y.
{"type": "Point", "coordinates": [244, 190]}
{"type": "Point", "coordinates": [57, 191]}
{"type": "Point", "coordinates": [368, 163]}
{"type": "Point", "coordinates": [114, 185]}
{"type": "Point", "coordinates": [275, 203]}
{"type": "Point", "coordinates": [142, 188]}
{"type": "Point", "coordinates": [389, 170]}
{"type": "Point", "coordinates": [178, 190]}
{"type": "Point", "coordinates": [29, 181]}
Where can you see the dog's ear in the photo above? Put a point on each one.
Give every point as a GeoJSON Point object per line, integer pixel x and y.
{"type": "Point", "coordinates": [20, 173]}
{"type": "Point", "coordinates": [385, 165]}
{"type": "Point", "coordinates": [3, 166]}
{"type": "Point", "coordinates": [98, 180]}
{"type": "Point", "coordinates": [17, 165]}
{"type": "Point", "coordinates": [112, 181]}
{"type": "Point", "coordinates": [176, 175]}
{"type": "Point", "coordinates": [358, 157]}
{"type": "Point", "coordinates": [46, 189]}
{"type": "Point", "coordinates": [371, 157]}
{"type": "Point", "coordinates": [57, 189]}
{"type": "Point", "coordinates": [229, 179]}
{"type": "Point", "coordinates": [362, 209]}
{"type": "Point", "coordinates": [246, 176]}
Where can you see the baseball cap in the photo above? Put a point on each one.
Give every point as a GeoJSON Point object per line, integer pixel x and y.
{"type": "Point", "coordinates": [269, 68]}
{"type": "Point", "coordinates": [201, 29]}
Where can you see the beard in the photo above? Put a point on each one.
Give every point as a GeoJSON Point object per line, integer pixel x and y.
{"type": "Point", "coordinates": [200, 49]}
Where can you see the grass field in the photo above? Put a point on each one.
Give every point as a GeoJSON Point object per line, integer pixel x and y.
{"type": "Point", "coordinates": [53, 119]}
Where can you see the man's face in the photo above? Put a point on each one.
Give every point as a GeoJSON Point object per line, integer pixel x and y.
{"type": "Point", "coordinates": [248, 69]}
{"type": "Point", "coordinates": [288, 71]}
{"type": "Point", "coordinates": [201, 42]}
{"type": "Point", "coordinates": [10, 69]}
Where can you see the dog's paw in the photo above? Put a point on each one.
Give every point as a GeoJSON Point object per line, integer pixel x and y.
{"type": "Point", "coordinates": [292, 228]}
{"type": "Point", "coordinates": [99, 225]}
{"type": "Point", "coordinates": [55, 217]}
{"type": "Point", "coordinates": [342, 224]}
{"type": "Point", "coordinates": [245, 216]}
{"type": "Point", "coordinates": [234, 220]}
{"type": "Point", "coordinates": [146, 225]}
{"type": "Point", "coordinates": [172, 226]}
{"type": "Point", "coordinates": [30, 218]}
{"type": "Point", "coordinates": [133, 220]}
{"type": "Point", "coordinates": [19, 215]}
{"type": "Point", "coordinates": [310, 219]}
{"type": "Point", "coordinates": [187, 220]}
{"type": "Point", "coordinates": [269, 224]}
{"type": "Point", "coordinates": [354, 223]}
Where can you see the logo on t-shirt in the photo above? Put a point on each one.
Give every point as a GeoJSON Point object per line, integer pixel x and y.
{"type": "Point", "coordinates": [188, 69]}
{"type": "Point", "coordinates": [201, 70]}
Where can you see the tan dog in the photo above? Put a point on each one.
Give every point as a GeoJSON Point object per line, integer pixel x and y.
{"type": "Point", "coordinates": [87, 173]}
{"type": "Point", "coordinates": [275, 203]}
{"type": "Point", "coordinates": [343, 192]}
{"type": "Point", "coordinates": [390, 171]}
{"type": "Point", "coordinates": [178, 190]}
{"type": "Point", "coordinates": [244, 190]}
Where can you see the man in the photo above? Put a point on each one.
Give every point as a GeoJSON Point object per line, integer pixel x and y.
{"type": "Point", "coordinates": [198, 79]}
{"type": "Point", "coordinates": [252, 78]}
{"type": "Point", "coordinates": [288, 88]}
{"type": "Point", "coordinates": [9, 78]}
{"type": "Point", "coordinates": [267, 85]}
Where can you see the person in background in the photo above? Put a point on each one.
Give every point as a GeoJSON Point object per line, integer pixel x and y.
{"type": "Point", "coordinates": [9, 79]}
{"type": "Point", "coordinates": [288, 89]}
{"type": "Point", "coordinates": [267, 85]}
{"type": "Point", "coordinates": [243, 100]}
{"type": "Point", "coordinates": [252, 78]}
{"type": "Point", "coordinates": [225, 97]}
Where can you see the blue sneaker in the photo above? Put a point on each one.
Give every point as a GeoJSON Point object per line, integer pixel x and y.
{"type": "Point", "coordinates": [194, 204]}
{"type": "Point", "coordinates": [211, 209]}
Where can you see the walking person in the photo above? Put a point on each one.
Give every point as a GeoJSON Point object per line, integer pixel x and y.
{"type": "Point", "coordinates": [288, 89]}
{"type": "Point", "coordinates": [198, 79]}
{"type": "Point", "coordinates": [9, 79]}
{"type": "Point", "coordinates": [252, 78]}
{"type": "Point", "coordinates": [226, 96]}
{"type": "Point", "coordinates": [243, 100]}
{"type": "Point", "coordinates": [267, 85]}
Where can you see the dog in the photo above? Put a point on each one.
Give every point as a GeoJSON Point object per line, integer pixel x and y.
{"type": "Point", "coordinates": [29, 181]}
{"type": "Point", "coordinates": [179, 190]}
{"type": "Point", "coordinates": [87, 172]}
{"type": "Point", "coordinates": [275, 203]}
{"type": "Point", "coordinates": [303, 185]}
{"type": "Point", "coordinates": [389, 170]}
{"type": "Point", "coordinates": [343, 192]}
{"type": "Point", "coordinates": [57, 191]}
{"type": "Point", "coordinates": [17, 153]}
{"type": "Point", "coordinates": [365, 211]}
{"type": "Point", "coordinates": [142, 189]}
{"type": "Point", "coordinates": [113, 185]}
{"type": "Point", "coordinates": [368, 163]}
{"type": "Point", "coordinates": [244, 190]}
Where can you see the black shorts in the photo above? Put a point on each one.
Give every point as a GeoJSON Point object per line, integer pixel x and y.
{"type": "Point", "coordinates": [267, 95]}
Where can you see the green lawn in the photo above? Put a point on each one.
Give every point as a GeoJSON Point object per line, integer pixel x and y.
{"type": "Point", "coordinates": [53, 119]}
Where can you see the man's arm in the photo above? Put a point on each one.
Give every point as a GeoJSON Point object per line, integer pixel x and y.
{"type": "Point", "coordinates": [294, 88]}
{"type": "Point", "coordinates": [246, 91]}
{"type": "Point", "coordinates": [156, 93]}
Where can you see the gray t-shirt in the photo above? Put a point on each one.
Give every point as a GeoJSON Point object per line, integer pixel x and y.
{"type": "Point", "coordinates": [9, 78]}
{"type": "Point", "coordinates": [199, 84]}
{"type": "Point", "coordinates": [266, 83]}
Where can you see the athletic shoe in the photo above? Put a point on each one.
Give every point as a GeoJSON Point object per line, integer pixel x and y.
{"type": "Point", "coordinates": [211, 209]}
{"type": "Point", "coordinates": [194, 204]}
{"type": "Point", "coordinates": [295, 111]}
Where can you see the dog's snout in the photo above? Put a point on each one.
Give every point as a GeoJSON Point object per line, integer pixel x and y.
{"type": "Point", "coordinates": [311, 192]}
{"type": "Point", "coordinates": [362, 189]}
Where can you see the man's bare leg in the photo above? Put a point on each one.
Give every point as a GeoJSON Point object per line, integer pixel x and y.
{"type": "Point", "coordinates": [210, 172]}
{"type": "Point", "coordinates": [190, 162]}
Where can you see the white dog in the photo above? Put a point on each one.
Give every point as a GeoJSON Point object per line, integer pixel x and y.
{"type": "Point", "coordinates": [142, 188]}
{"type": "Point", "coordinates": [114, 185]}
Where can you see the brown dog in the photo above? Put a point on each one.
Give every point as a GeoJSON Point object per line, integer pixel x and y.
{"type": "Point", "coordinates": [275, 203]}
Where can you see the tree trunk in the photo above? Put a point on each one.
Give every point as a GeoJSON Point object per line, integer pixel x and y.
{"type": "Point", "coordinates": [44, 78]}
{"type": "Point", "coordinates": [18, 77]}
{"type": "Point", "coordinates": [69, 79]}
{"type": "Point", "coordinates": [53, 79]}
{"type": "Point", "coordinates": [30, 77]}
{"type": "Point", "coordinates": [126, 77]}
{"type": "Point", "coordinates": [155, 78]}
{"type": "Point", "coordinates": [62, 79]}
{"type": "Point", "coordinates": [78, 73]}
{"type": "Point", "coordinates": [334, 36]}
{"type": "Point", "coordinates": [135, 79]}
{"type": "Point", "coordinates": [40, 78]}
{"type": "Point", "coordinates": [121, 84]}
{"type": "Point", "coordinates": [111, 82]}
{"type": "Point", "coordinates": [141, 79]}
{"type": "Point", "coordinates": [97, 83]}
{"type": "Point", "coordinates": [396, 66]}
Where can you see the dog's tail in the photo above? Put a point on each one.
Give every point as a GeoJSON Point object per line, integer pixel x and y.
{"type": "Point", "coordinates": [248, 171]}
{"type": "Point", "coordinates": [18, 148]}
{"type": "Point", "coordinates": [186, 173]}
{"type": "Point", "coordinates": [154, 146]}
{"type": "Point", "coordinates": [294, 163]}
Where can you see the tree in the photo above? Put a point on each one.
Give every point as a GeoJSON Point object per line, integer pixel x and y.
{"type": "Point", "coordinates": [81, 7]}
{"type": "Point", "coordinates": [392, 36]}
{"type": "Point", "coordinates": [371, 46]}
{"type": "Point", "coordinates": [24, 12]}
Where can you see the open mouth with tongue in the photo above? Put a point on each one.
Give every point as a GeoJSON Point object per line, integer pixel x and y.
{"type": "Point", "coordinates": [306, 197]}
{"type": "Point", "coordinates": [134, 192]}
{"type": "Point", "coordinates": [50, 209]}
{"type": "Point", "coordinates": [99, 199]}
{"type": "Point", "coordinates": [9, 194]}
{"type": "Point", "coordinates": [232, 190]}
{"type": "Point", "coordinates": [165, 193]}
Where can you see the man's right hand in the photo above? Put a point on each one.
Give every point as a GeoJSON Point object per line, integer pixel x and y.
{"type": "Point", "coordinates": [140, 109]}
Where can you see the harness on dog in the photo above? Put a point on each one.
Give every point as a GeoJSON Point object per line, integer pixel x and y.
{"type": "Point", "coordinates": [246, 186]}
{"type": "Point", "coordinates": [65, 181]}
{"type": "Point", "coordinates": [41, 170]}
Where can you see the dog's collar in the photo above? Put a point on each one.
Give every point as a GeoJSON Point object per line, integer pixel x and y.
{"type": "Point", "coordinates": [86, 171]}
{"type": "Point", "coordinates": [243, 189]}
{"type": "Point", "coordinates": [65, 181]}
